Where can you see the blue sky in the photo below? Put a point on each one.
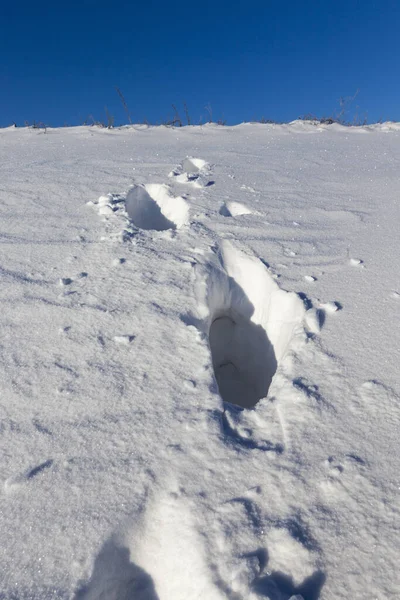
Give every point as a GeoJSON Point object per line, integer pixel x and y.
{"type": "Point", "coordinates": [60, 62]}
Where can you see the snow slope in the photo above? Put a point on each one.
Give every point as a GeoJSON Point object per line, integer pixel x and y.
{"type": "Point", "coordinates": [199, 353]}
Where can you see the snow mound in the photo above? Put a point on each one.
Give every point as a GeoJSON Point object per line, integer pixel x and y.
{"type": "Point", "coordinates": [152, 207]}
{"type": "Point", "coordinates": [250, 322]}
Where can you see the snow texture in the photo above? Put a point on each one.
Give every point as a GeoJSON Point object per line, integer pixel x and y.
{"type": "Point", "coordinates": [199, 371]}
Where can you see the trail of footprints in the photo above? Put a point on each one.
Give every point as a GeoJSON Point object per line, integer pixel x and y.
{"type": "Point", "coordinates": [250, 323]}
{"type": "Point", "coordinates": [247, 342]}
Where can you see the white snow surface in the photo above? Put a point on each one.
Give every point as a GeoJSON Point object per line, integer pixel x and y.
{"type": "Point", "coordinates": [200, 363]}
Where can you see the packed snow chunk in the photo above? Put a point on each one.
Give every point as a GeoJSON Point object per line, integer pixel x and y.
{"type": "Point", "coordinates": [192, 171]}
{"type": "Point", "coordinates": [193, 165]}
{"type": "Point", "coordinates": [330, 307]}
{"type": "Point", "coordinates": [124, 340]}
{"type": "Point", "coordinates": [234, 209]}
{"type": "Point", "coordinates": [250, 322]}
{"type": "Point", "coordinates": [152, 207]}
{"type": "Point", "coordinates": [355, 262]}
{"type": "Point", "coordinates": [104, 200]}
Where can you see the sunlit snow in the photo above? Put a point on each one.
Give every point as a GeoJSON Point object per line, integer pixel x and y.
{"type": "Point", "coordinates": [199, 363]}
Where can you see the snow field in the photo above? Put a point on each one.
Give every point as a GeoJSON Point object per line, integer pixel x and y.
{"type": "Point", "coordinates": [125, 475]}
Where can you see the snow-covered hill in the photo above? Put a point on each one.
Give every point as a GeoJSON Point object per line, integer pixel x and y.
{"type": "Point", "coordinates": [199, 351]}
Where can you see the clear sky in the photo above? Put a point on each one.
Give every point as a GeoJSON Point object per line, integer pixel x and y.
{"type": "Point", "coordinates": [247, 59]}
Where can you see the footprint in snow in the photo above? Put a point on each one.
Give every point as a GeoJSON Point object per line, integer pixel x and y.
{"type": "Point", "coordinates": [292, 568]}
{"type": "Point", "coordinates": [116, 576]}
{"type": "Point", "coordinates": [193, 171]}
{"type": "Point", "coordinates": [343, 476]}
{"type": "Point", "coordinates": [248, 430]}
{"type": "Point", "coordinates": [152, 207]}
{"type": "Point", "coordinates": [278, 558]}
{"type": "Point", "coordinates": [161, 556]}
{"type": "Point", "coordinates": [235, 531]}
{"type": "Point", "coordinates": [250, 323]}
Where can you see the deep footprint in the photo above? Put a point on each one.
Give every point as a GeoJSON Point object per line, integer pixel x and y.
{"type": "Point", "coordinates": [243, 358]}
{"type": "Point", "coordinates": [152, 207]}
{"type": "Point", "coordinates": [251, 323]}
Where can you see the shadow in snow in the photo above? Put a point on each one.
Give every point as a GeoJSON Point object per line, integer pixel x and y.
{"type": "Point", "coordinates": [278, 586]}
{"type": "Point", "coordinates": [243, 357]}
{"type": "Point", "coordinates": [145, 212]}
{"type": "Point", "coordinates": [115, 577]}
{"type": "Point", "coordinates": [36, 470]}
{"type": "Point", "coordinates": [224, 211]}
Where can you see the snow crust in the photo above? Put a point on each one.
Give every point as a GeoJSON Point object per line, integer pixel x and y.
{"type": "Point", "coordinates": [194, 406]}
